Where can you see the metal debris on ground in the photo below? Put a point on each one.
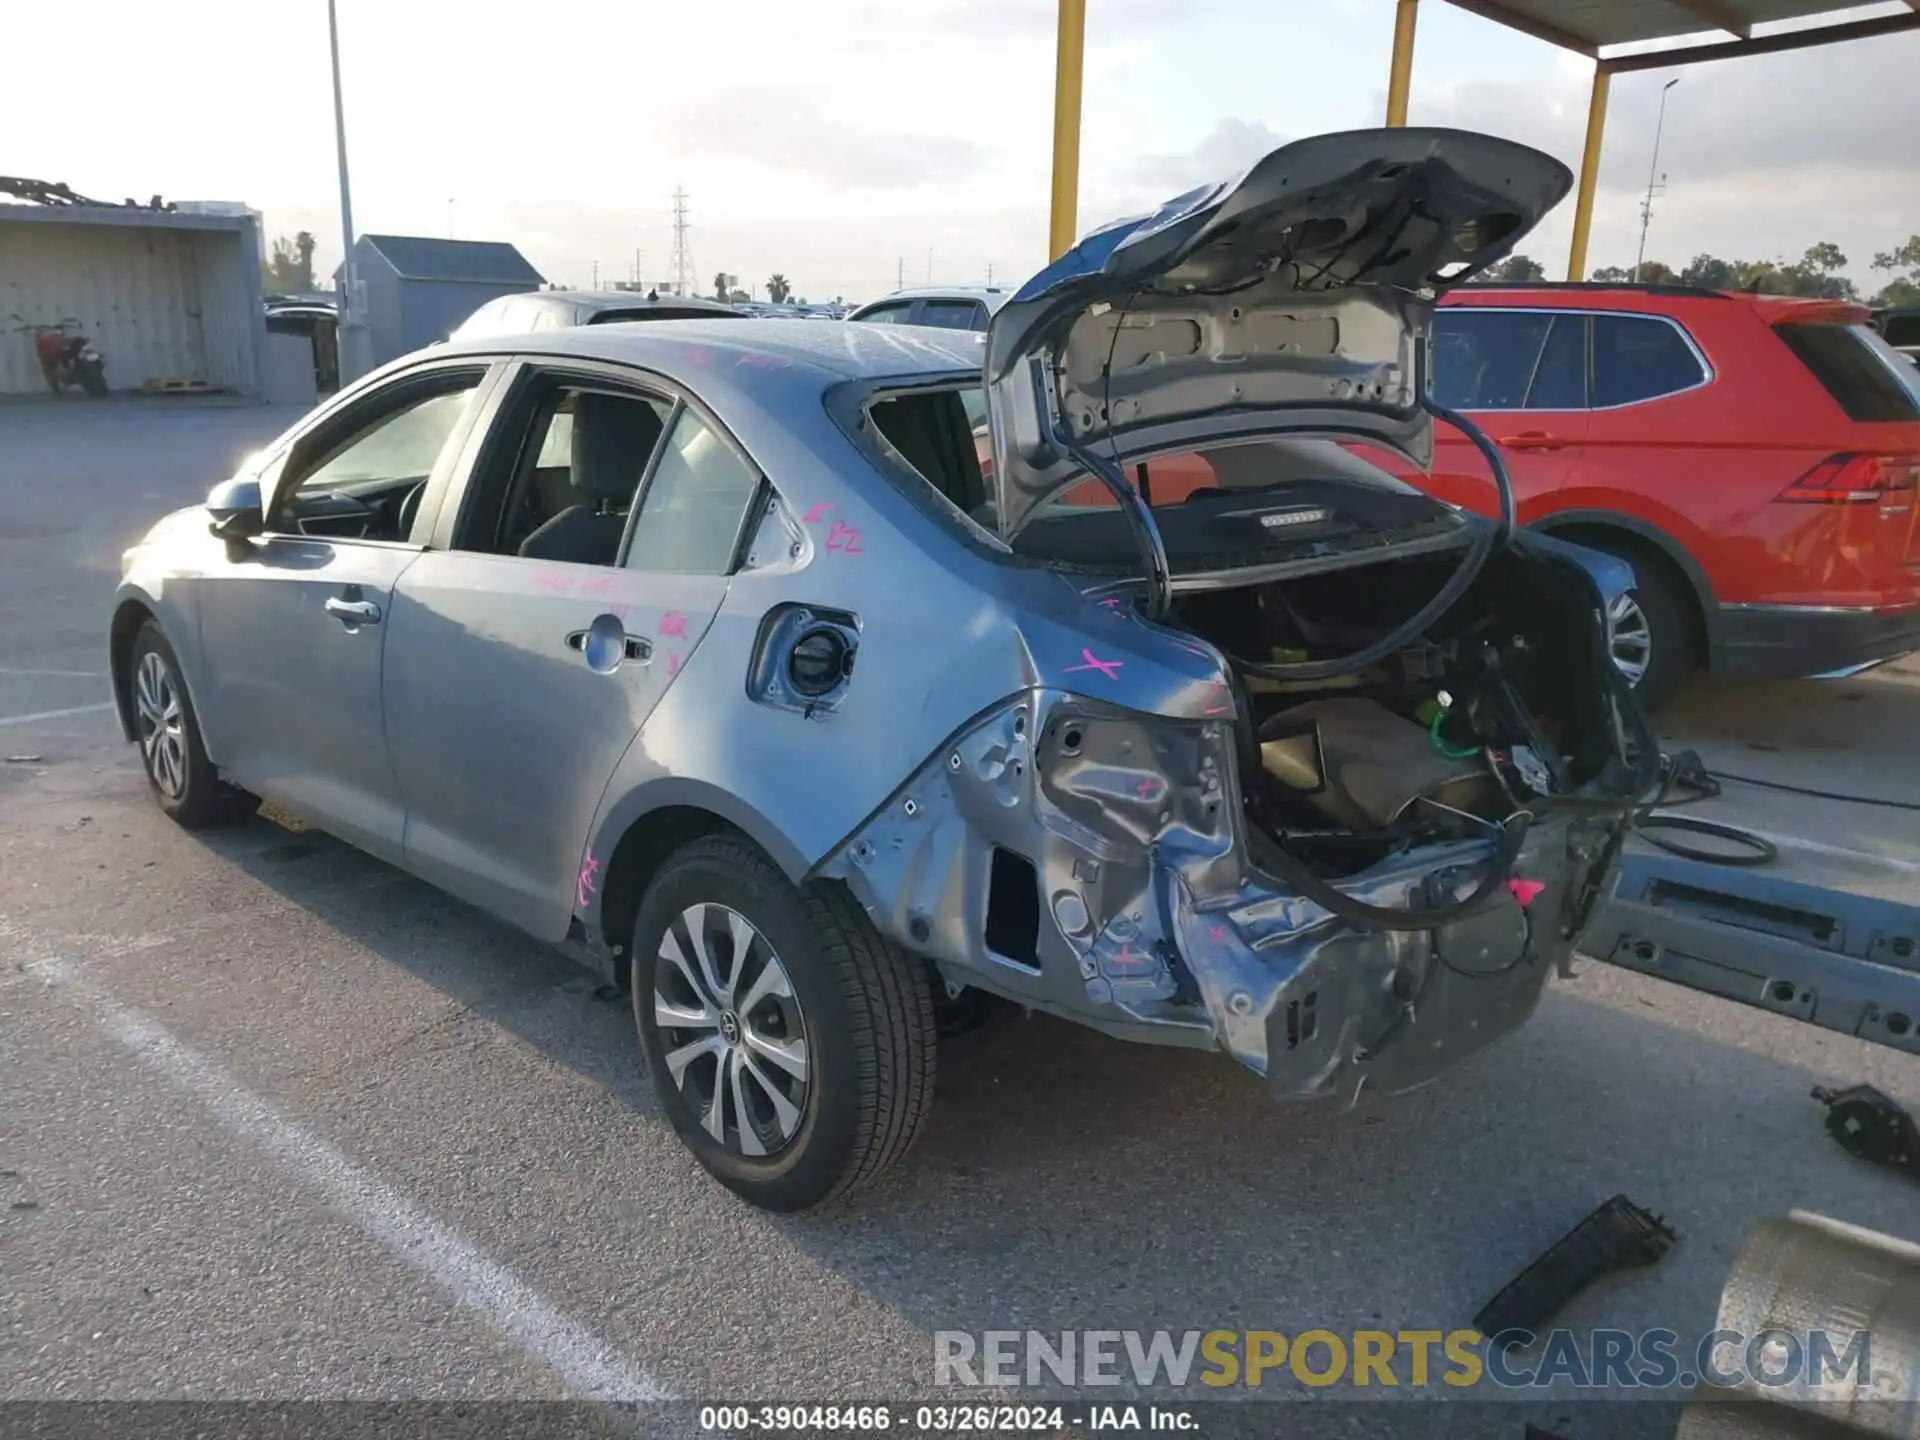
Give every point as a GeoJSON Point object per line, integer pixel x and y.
{"type": "Point", "coordinates": [1617, 1236]}
{"type": "Point", "coordinates": [22, 759]}
{"type": "Point", "coordinates": [1872, 1126]}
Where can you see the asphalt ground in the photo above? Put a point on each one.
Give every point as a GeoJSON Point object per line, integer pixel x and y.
{"type": "Point", "coordinates": [279, 1122]}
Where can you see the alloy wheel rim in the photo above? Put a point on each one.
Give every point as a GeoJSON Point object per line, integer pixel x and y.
{"type": "Point", "coordinates": [731, 1030]}
{"type": "Point", "coordinates": [163, 733]}
{"type": "Point", "coordinates": [1629, 637]}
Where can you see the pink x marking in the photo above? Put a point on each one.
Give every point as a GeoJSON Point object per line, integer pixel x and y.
{"type": "Point", "coordinates": [674, 623]}
{"type": "Point", "coordinates": [1108, 668]}
{"type": "Point", "coordinates": [583, 889]}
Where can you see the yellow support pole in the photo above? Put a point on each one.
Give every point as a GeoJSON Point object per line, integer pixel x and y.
{"type": "Point", "coordinates": [1589, 173]}
{"type": "Point", "coordinates": [1069, 69]}
{"type": "Point", "coordinates": [1400, 73]}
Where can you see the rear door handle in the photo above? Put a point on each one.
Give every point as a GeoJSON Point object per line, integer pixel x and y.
{"type": "Point", "coordinates": [353, 612]}
{"type": "Point", "coordinates": [1533, 440]}
{"type": "Point", "coordinates": [636, 647]}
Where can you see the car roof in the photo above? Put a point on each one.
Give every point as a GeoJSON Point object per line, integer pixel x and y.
{"type": "Point", "coordinates": [689, 347]}
{"type": "Point", "coordinates": [1596, 295]}
{"type": "Point", "coordinates": [626, 300]}
{"type": "Point", "coordinates": [992, 296]}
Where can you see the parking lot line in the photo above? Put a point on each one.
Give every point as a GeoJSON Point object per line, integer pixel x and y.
{"type": "Point", "coordinates": [56, 674]}
{"type": "Point", "coordinates": [591, 1366]}
{"type": "Point", "coordinates": [55, 714]}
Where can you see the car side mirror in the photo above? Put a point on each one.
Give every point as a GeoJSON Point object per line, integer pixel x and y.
{"type": "Point", "coordinates": [234, 510]}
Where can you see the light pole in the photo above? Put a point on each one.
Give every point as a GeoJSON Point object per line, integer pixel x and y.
{"type": "Point", "coordinates": [352, 331]}
{"type": "Point", "coordinates": [1646, 205]}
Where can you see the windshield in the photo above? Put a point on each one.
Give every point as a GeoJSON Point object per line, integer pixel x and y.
{"type": "Point", "coordinates": [1231, 506]}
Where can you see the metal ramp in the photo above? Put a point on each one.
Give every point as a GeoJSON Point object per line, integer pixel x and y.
{"type": "Point", "coordinates": [1841, 961]}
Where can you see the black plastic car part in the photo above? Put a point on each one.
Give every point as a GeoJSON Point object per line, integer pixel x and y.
{"type": "Point", "coordinates": [1617, 1236]}
{"type": "Point", "coordinates": [1872, 1126]}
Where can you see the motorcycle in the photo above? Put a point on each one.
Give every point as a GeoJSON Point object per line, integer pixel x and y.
{"type": "Point", "coordinates": [68, 359]}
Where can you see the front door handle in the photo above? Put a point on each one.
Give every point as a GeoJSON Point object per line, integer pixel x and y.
{"type": "Point", "coordinates": [353, 612]}
{"type": "Point", "coordinates": [1533, 440]}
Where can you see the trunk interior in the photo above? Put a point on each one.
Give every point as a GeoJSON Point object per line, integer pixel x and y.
{"type": "Point", "coordinates": [1504, 703]}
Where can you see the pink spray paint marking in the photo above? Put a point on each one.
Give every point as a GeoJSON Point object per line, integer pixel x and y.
{"type": "Point", "coordinates": [673, 663]}
{"type": "Point", "coordinates": [674, 624]}
{"type": "Point", "coordinates": [816, 513]}
{"type": "Point", "coordinates": [1110, 603]}
{"type": "Point", "coordinates": [843, 539]}
{"type": "Point", "coordinates": [598, 585]}
{"type": "Point", "coordinates": [1108, 668]}
{"type": "Point", "coordinates": [1526, 891]}
{"type": "Point", "coordinates": [554, 580]}
{"type": "Point", "coordinates": [585, 887]}
{"type": "Point", "coordinates": [1147, 789]}
{"type": "Point", "coordinates": [1217, 934]}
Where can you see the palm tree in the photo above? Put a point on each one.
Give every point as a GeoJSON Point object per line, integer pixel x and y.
{"type": "Point", "coordinates": [778, 289]}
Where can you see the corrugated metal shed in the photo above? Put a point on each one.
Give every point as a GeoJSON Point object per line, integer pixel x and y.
{"type": "Point", "coordinates": [163, 296]}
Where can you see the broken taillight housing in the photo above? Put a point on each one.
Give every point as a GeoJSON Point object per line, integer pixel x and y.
{"type": "Point", "coordinates": [1854, 480]}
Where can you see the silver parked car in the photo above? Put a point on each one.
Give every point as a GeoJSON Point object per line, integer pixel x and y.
{"type": "Point", "coordinates": [537, 310]}
{"type": "Point", "coordinates": [946, 307]}
{"type": "Point", "coordinates": [811, 681]}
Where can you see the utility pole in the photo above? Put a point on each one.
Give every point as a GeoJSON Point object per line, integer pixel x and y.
{"type": "Point", "coordinates": [929, 265]}
{"type": "Point", "coordinates": [354, 360]}
{"type": "Point", "coordinates": [1653, 188]}
{"type": "Point", "coordinates": [900, 274]}
{"type": "Point", "coordinates": [989, 274]}
{"type": "Point", "coordinates": [682, 266]}
{"type": "Point", "coordinates": [596, 274]}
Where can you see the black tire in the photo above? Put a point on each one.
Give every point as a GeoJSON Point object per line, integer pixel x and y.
{"type": "Point", "coordinates": [95, 384]}
{"type": "Point", "coordinates": [199, 799]}
{"type": "Point", "coordinates": [868, 1024]}
{"type": "Point", "coordinates": [1668, 616]}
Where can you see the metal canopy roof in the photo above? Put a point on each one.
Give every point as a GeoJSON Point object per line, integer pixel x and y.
{"type": "Point", "coordinates": [1593, 27]}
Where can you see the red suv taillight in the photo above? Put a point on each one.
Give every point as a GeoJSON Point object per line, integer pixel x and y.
{"type": "Point", "coordinates": [1854, 480]}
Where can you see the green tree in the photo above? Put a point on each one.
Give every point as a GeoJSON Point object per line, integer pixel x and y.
{"type": "Point", "coordinates": [720, 285]}
{"type": "Point", "coordinates": [1612, 275]}
{"type": "Point", "coordinates": [1514, 270]}
{"type": "Point", "coordinates": [1904, 263]}
{"type": "Point", "coordinates": [1710, 272]}
{"type": "Point", "coordinates": [289, 270]}
{"type": "Point", "coordinates": [778, 289]}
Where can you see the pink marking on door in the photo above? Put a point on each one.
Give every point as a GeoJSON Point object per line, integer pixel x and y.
{"type": "Point", "coordinates": [1147, 789]}
{"type": "Point", "coordinates": [1217, 934]}
{"type": "Point", "coordinates": [598, 585]}
{"type": "Point", "coordinates": [674, 662]}
{"type": "Point", "coordinates": [1525, 891]}
{"type": "Point", "coordinates": [843, 539]}
{"type": "Point", "coordinates": [554, 580]}
{"type": "Point", "coordinates": [816, 513]}
{"type": "Point", "coordinates": [1110, 603]}
{"type": "Point", "coordinates": [675, 624]}
{"type": "Point", "coordinates": [1108, 668]}
{"type": "Point", "coordinates": [585, 887]}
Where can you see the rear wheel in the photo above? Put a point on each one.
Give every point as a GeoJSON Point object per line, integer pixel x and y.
{"type": "Point", "coordinates": [791, 1046]}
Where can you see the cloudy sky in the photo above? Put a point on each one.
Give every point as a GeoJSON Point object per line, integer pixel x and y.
{"type": "Point", "coordinates": [850, 142]}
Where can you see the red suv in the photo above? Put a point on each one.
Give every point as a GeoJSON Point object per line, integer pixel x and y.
{"type": "Point", "coordinates": [1756, 458]}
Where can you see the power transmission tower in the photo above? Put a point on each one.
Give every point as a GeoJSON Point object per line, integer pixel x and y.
{"type": "Point", "coordinates": [681, 276]}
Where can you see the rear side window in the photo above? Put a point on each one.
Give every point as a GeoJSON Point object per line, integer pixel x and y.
{"type": "Point", "coordinates": [1902, 330]}
{"type": "Point", "coordinates": [1485, 359]}
{"type": "Point", "coordinates": [954, 314]}
{"type": "Point", "coordinates": [887, 314]}
{"type": "Point", "coordinates": [1858, 369]}
{"type": "Point", "coordinates": [695, 505]}
{"type": "Point", "coordinates": [1636, 357]}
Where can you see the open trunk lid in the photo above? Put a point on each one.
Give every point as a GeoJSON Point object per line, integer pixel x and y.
{"type": "Point", "coordinates": [1295, 299]}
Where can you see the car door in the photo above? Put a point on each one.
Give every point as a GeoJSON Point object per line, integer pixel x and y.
{"type": "Point", "coordinates": [293, 625]}
{"type": "Point", "coordinates": [1521, 376]}
{"type": "Point", "coordinates": [518, 674]}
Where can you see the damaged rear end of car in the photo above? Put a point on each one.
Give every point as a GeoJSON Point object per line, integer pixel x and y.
{"type": "Point", "coordinates": [1311, 767]}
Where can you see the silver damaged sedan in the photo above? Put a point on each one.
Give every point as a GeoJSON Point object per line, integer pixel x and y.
{"type": "Point", "coordinates": [825, 686]}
